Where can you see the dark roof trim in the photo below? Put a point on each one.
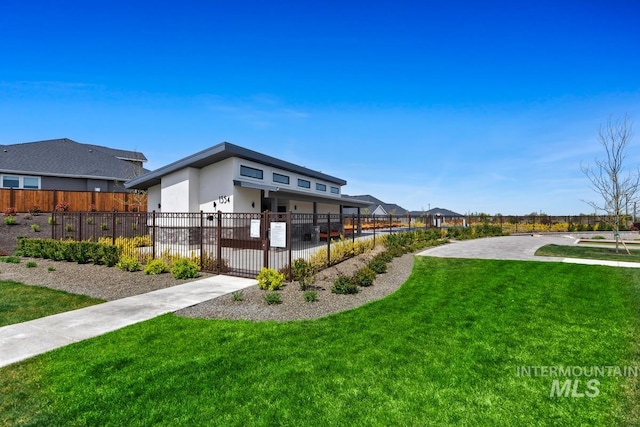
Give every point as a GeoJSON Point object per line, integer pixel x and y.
{"type": "Point", "coordinates": [220, 152]}
{"type": "Point", "coordinates": [256, 186]}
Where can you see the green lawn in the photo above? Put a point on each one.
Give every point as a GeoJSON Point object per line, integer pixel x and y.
{"type": "Point", "coordinates": [19, 303]}
{"type": "Point", "coordinates": [590, 252]}
{"type": "Point", "coordinates": [443, 350]}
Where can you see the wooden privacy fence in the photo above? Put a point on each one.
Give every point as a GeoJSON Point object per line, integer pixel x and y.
{"type": "Point", "coordinates": [76, 201]}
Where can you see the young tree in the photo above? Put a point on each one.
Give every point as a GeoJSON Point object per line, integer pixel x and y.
{"type": "Point", "coordinates": [610, 177]}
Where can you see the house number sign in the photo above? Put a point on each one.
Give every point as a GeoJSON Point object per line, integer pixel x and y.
{"type": "Point", "coordinates": [224, 199]}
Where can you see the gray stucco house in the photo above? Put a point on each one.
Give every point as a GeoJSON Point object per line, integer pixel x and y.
{"type": "Point", "coordinates": [64, 164]}
{"type": "Point", "coordinates": [230, 178]}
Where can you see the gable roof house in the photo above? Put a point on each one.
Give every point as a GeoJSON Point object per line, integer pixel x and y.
{"type": "Point", "coordinates": [376, 206]}
{"type": "Point", "coordinates": [64, 164]}
{"type": "Point", "coordinates": [229, 178]}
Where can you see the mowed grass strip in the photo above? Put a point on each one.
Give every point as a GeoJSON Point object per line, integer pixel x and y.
{"type": "Point", "coordinates": [590, 252]}
{"type": "Point", "coordinates": [443, 350]}
{"type": "Point", "coordinates": [20, 303]}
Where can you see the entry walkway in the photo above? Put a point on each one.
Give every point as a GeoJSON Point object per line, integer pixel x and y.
{"type": "Point", "coordinates": [520, 248]}
{"type": "Point", "coordinates": [24, 340]}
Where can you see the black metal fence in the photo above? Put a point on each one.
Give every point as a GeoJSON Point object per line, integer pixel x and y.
{"type": "Point", "coordinates": [242, 243]}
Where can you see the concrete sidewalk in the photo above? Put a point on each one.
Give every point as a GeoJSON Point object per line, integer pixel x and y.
{"type": "Point", "coordinates": [24, 340]}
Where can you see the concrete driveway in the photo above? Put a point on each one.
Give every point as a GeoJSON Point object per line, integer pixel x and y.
{"type": "Point", "coordinates": [521, 247]}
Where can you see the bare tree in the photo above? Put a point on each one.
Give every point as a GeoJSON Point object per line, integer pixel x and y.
{"type": "Point", "coordinates": [609, 176]}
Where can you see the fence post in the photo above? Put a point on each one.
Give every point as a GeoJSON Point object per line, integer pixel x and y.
{"type": "Point", "coordinates": [289, 232]}
{"type": "Point", "coordinates": [80, 226]}
{"type": "Point", "coordinates": [328, 238]}
{"type": "Point", "coordinates": [374, 231]}
{"type": "Point", "coordinates": [265, 240]}
{"type": "Point", "coordinates": [353, 228]}
{"type": "Point", "coordinates": [219, 242]}
{"type": "Point", "coordinates": [113, 228]}
{"type": "Point", "coordinates": [153, 234]}
{"type": "Point", "coordinates": [200, 239]}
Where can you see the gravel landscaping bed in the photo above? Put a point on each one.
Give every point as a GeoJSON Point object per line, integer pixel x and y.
{"type": "Point", "coordinates": [293, 307]}
{"type": "Point", "coordinates": [110, 283]}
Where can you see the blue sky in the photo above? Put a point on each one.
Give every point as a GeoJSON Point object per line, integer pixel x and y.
{"type": "Point", "coordinates": [467, 105]}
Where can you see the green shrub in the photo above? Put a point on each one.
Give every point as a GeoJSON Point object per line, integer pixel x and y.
{"type": "Point", "coordinates": [51, 269]}
{"type": "Point", "coordinates": [310, 296]}
{"type": "Point", "coordinates": [303, 272]}
{"type": "Point", "coordinates": [237, 296]}
{"type": "Point", "coordinates": [51, 221]}
{"type": "Point", "coordinates": [68, 228]}
{"type": "Point", "coordinates": [10, 259]}
{"type": "Point", "coordinates": [378, 265]}
{"type": "Point", "coordinates": [344, 285]}
{"type": "Point", "coordinates": [31, 264]}
{"type": "Point", "coordinates": [128, 263]}
{"type": "Point", "coordinates": [104, 226]}
{"type": "Point", "coordinates": [35, 227]}
{"type": "Point", "coordinates": [598, 237]}
{"type": "Point", "coordinates": [272, 298]}
{"type": "Point", "coordinates": [184, 268]}
{"type": "Point", "coordinates": [364, 277]}
{"type": "Point", "coordinates": [67, 250]}
{"type": "Point", "coordinates": [89, 220]}
{"type": "Point", "coordinates": [10, 220]}
{"type": "Point", "coordinates": [270, 279]}
{"type": "Point", "coordinates": [156, 266]}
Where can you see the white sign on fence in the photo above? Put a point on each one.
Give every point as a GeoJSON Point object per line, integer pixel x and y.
{"type": "Point", "coordinates": [278, 234]}
{"type": "Point", "coordinates": [255, 229]}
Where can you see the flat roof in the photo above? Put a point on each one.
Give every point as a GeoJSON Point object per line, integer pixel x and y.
{"type": "Point", "coordinates": [219, 152]}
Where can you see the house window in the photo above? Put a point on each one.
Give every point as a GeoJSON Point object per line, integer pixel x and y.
{"type": "Point", "coordinates": [335, 190]}
{"type": "Point", "coordinates": [31, 182]}
{"type": "Point", "coordinates": [26, 182]}
{"type": "Point", "coordinates": [282, 179]}
{"type": "Point", "coordinates": [321, 187]}
{"type": "Point", "coordinates": [304, 183]}
{"type": "Point", "coordinates": [251, 172]}
{"type": "Point", "coordinates": [10, 181]}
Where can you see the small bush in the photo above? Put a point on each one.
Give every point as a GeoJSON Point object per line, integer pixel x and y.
{"type": "Point", "coordinates": [35, 210]}
{"type": "Point", "coordinates": [10, 220]}
{"type": "Point", "coordinates": [68, 228]}
{"type": "Point", "coordinates": [304, 273]}
{"type": "Point", "coordinates": [35, 227]}
{"type": "Point", "coordinates": [104, 226]}
{"type": "Point", "coordinates": [272, 298]}
{"type": "Point", "coordinates": [89, 220]}
{"type": "Point", "coordinates": [10, 259]}
{"type": "Point", "coordinates": [51, 269]}
{"type": "Point", "coordinates": [10, 212]}
{"type": "Point", "coordinates": [127, 263]}
{"type": "Point", "coordinates": [51, 221]}
{"type": "Point", "coordinates": [364, 277]}
{"type": "Point", "coordinates": [270, 279]}
{"type": "Point", "coordinates": [310, 296]}
{"type": "Point", "coordinates": [62, 207]}
{"type": "Point", "coordinates": [344, 285]}
{"type": "Point", "coordinates": [31, 264]}
{"type": "Point", "coordinates": [184, 269]}
{"type": "Point", "coordinates": [598, 238]}
{"type": "Point", "coordinates": [156, 266]}
{"type": "Point", "coordinates": [237, 296]}
{"type": "Point", "coordinates": [378, 265]}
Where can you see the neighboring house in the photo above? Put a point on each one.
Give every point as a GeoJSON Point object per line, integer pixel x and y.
{"type": "Point", "coordinates": [63, 164]}
{"type": "Point", "coordinates": [375, 206]}
{"type": "Point", "coordinates": [442, 217]}
{"type": "Point", "coordinates": [229, 178]}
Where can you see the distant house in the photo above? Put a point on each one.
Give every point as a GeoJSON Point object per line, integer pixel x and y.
{"type": "Point", "coordinates": [442, 217]}
{"type": "Point", "coordinates": [63, 164]}
{"type": "Point", "coordinates": [230, 179]}
{"type": "Point", "coordinates": [375, 206]}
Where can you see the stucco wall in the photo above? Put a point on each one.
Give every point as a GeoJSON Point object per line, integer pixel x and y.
{"type": "Point", "coordinates": [180, 191]}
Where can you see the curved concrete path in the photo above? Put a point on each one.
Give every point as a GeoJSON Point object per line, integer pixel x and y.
{"type": "Point", "coordinates": [521, 247]}
{"type": "Point", "coordinates": [24, 340]}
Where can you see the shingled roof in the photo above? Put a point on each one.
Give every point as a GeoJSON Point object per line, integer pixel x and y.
{"type": "Point", "coordinates": [374, 203]}
{"type": "Point", "coordinates": [68, 158]}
